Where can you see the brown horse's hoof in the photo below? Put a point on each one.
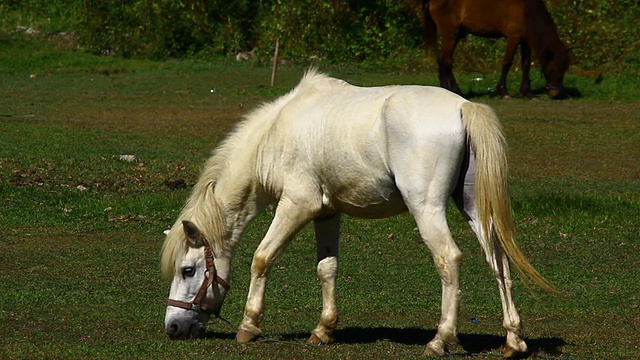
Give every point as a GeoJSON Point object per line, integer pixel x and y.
{"type": "Point", "coordinates": [245, 336]}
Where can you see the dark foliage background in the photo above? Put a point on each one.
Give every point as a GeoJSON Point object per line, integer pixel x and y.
{"type": "Point", "coordinates": [602, 34]}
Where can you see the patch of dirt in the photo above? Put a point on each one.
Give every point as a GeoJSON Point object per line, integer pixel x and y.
{"type": "Point", "coordinates": [137, 218]}
{"type": "Point", "coordinates": [113, 176]}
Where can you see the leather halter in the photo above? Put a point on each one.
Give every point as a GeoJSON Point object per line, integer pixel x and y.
{"type": "Point", "coordinates": [559, 88]}
{"type": "Point", "coordinates": [210, 277]}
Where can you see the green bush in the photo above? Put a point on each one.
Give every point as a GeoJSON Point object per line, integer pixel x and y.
{"type": "Point", "coordinates": [601, 33]}
{"type": "Point", "coordinates": [44, 15]}
{"type": "Point", "coordinates": [165, 28]}
{"type": "Point", "coordinates": [339, 31]}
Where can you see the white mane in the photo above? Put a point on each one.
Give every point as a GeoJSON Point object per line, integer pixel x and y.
{"type": "Point", "coordinates": [202, 207]}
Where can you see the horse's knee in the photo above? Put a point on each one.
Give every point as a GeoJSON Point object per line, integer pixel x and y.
{"type": "Point", "coordinates": [448, 264]}
{"type": "Point", "coordinates": [327, 269]}
{"type": "Point", "coordinates": [259, 265]}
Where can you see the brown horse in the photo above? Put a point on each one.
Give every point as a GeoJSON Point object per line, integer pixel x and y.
{"type": "Point", "coordinates": [523, 22]}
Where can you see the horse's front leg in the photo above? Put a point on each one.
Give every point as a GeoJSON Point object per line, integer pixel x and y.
{"type": "Point", "coordinates": [327, 231]}
{"type": "Point", "coordinates": [288, 220]}
{"type": "Point", "coordinates": [510, 51]}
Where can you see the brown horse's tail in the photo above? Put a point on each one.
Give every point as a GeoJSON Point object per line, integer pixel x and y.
{"type": "Point", "coordinates": [491, 190]}
{"type": "Point", "coordinates": [430, 30]}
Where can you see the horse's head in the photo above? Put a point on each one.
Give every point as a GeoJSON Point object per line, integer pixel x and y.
{"type": "Point", "coordinates": [554, 65]}
{"type": "Point", "coordinates": [198, 287]}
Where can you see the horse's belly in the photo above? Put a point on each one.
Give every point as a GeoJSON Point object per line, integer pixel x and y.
{"type": "Point", "coordinates": [393, 206]}
{"type": "Point", "coordinates": [370, 197]}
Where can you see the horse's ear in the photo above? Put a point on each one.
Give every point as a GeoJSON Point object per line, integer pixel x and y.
{"type": "Point", "coordinates": [192, 233]}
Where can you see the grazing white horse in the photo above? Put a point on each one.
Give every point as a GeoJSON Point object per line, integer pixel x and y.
{"type": "Point", "coordinates": [328, 148]}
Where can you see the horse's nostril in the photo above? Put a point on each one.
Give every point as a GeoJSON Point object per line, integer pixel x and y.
{"type": "Point", "coordinates": [173, 330]}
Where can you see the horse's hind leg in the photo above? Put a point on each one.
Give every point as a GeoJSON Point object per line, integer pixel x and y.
{"type": "Point", "coordinates": [525, 59]}
{"type": "Point", "coordinates": [435, 233]}
{"type": "Point", "coordinates": [464, 197]}
{"type": "Point", "coordinates": [327, 230]}
{"type": "Point", "coordinates": [445, 63]}
{"type": "Point", "coordinates": [429, 211]}
{"type": "Point", "coordinates": [510, 51]}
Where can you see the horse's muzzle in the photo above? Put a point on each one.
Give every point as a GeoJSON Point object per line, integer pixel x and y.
{"type": "Point", "coordinates": [183, 329]}
{"type": "Point", "coordinates": [558, 92]}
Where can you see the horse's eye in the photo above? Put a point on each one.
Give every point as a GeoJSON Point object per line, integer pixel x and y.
{"type": "Point", "coordinates": [188, 272]}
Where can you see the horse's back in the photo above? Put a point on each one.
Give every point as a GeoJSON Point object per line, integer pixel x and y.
{"type": "Point", "coordinates": [488, 18]}
{"type": "Point", "coordinates": [348, 141]}
{"type": "Point", "coordinates": [418, 131]}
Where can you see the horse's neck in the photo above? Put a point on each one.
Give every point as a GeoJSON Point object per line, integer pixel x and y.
{"type": "Point", "coordinates": [233, 168]}
{"type": "Point", "coordinates": [240, 195]}
{"type": "Point", "coordinates": [542, 42]}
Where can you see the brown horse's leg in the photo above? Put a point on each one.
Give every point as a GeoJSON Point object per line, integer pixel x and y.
{"type": "Point", "coordinates": [510, 51]}
{"type": "Point", "coordinates": [525, 85]}
{"type": "Point", "coordinates": [445, 64]}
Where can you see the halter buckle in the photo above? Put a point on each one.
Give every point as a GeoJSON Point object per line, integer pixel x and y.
{"type": "Point", "coordinates": [196, 307]}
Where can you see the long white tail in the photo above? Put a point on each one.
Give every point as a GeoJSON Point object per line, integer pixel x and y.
{"type": "Point", "coordinates": [491, 188]}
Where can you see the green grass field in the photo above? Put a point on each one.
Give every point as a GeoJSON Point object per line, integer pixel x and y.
{"type": "Point", "coordinates": [80, 272]}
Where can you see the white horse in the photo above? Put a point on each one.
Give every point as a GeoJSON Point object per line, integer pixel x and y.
{"type": "Point", "coordinates": [328, 148]}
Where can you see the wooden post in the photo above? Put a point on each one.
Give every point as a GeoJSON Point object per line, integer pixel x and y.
{"type": "Point", "coordinates": [275, 63]}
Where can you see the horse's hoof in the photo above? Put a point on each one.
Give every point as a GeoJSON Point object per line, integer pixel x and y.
{"type": "Point", "coordinates": [505, 97]}
{"type": "Point", "coordinates": [511, 353]}
{"type": "Point", "coordinates": [245, 336]}
{"type": "Point", "coordinates": [435, 349]}
{"type": "Point", "coordinates": [432, 352]}
{"type": "Point", "coordinates": [316, 339]}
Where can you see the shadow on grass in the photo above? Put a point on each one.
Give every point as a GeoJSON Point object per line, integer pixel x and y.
{"type": "Point", "coordinates": [227, 335]}
{"type": "Point", "coordinates": [569, 93]}
{"type": "Point", "coordinates": [470, 343]}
